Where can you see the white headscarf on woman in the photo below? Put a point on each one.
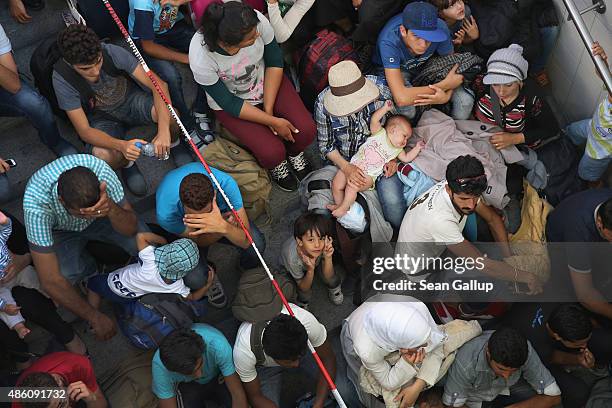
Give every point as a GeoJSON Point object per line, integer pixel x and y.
{"type": "Point", "coordinates": [403, 325]}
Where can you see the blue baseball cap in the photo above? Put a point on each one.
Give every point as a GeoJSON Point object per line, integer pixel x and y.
{"type": "Point", "coordinates": [422, 19]}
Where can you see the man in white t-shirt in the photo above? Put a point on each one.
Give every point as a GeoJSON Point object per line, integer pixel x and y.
{"type": "Point", "coordinates": [283, 345]}
{"type": "Point", "coordinates": [158, 270]}
{"type": "Point", "coordinates": [435, 221]}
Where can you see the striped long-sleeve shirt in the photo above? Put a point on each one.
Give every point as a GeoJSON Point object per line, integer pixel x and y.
{"type": "Point", "coordinates": [528, 114]}
{"type": "Point", "coordinates": [5, 255]}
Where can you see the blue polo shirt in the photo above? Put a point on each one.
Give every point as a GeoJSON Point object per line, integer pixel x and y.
{"type": "Point", "coordinates": [217, 359]}
{"type": "Point", "coordinates": [170, 211]}
{"type": "Point", "coordinates": [391, 52]}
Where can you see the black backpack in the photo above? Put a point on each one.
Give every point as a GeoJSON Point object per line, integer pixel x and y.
{"type": "Point", "coordinates": [149, 319]}
{"type": "Point", "coordinates": [561, 159]}
{"type": "Point", "coordinates": [47, 58]}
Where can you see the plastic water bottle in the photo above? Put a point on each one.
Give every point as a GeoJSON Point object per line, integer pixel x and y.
{"type": "Point", "coordinates": [148, 149]}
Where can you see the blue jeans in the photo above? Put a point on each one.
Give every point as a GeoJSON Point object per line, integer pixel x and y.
{"type": "Point", "coordinates": [178, 38]}
{"type": "Point", "coordinates": [32, 105]}
{"type": "Point", "coordinates": [75, 262]}
{"type": "Point", "coordinates": [462, 103]}
{"type": "Point", "coordinates": [134, 111]}
{"type": "Point", "coordinates": [462, 100]}
{"type": "Point", "coordinates": [549, 38]}
{"type": "Point", "coordinates": [391, 195]}
{"type": "Point", "coordinates": [589, 169]}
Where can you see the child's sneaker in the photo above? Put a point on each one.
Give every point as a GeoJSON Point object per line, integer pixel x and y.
{"type": "Point", "coordinates": [335, 295]}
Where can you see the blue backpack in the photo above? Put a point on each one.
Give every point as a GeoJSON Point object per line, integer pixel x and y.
{"type": "Point", "coordinates": [148, 320]}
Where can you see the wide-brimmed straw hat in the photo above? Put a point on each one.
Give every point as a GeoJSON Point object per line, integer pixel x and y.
{"type": "Point", "coordinates": [349, 90]}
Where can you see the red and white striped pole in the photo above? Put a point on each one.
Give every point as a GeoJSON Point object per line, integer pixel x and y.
{"type": "Point", "coordinates": [138, 55]}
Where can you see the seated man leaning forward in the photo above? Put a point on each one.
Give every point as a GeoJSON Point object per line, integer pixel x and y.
{"type": "Point", "coordinates": [435, 221]}
{"type": "Point", "coordinates": [404, 45]}
{"type": "Point", "coordinates": [121, 96]}
{"type": "Point", "coordinates": [187, 368]}
{"type": "Point", "coordinates": [68, 203]}
{"type": "Point", "coordinates": [489, 367]}
{"type": "Point", "coordinates": [283, 344]}
{"type": "Point", "coordinates": [67, 370]}
{"type": "Point", "coordinates": [189, 205]}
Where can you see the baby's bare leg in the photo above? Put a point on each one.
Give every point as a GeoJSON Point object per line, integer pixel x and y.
{"type": "Point", "coordinates": [338, 185]}
{"type": "Point", "coordinates": [350, 195]}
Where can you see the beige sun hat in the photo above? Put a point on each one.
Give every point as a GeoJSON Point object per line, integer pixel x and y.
{"type": "Point", "coordinates": [349, 90]}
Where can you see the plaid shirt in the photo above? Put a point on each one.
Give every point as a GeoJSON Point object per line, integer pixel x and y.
{"type": "Point", "coordinates": [42, 210]}
{"type": "Point", "coordinates": [346, 133]}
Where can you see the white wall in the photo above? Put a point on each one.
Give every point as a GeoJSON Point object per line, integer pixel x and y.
{"type": "Point", "coordinates": [575, 87]}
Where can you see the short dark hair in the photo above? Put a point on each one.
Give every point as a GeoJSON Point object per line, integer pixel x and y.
{"type": "Point", "coordinates": [227, 22]}
{"type": "Point", "coordinates": [570, 322]}
{"type": "Point", "coordinates": [466, 174]}
{"type": "Point", "coordinates": [443, 4]}
{"type": "Point", "coordinates": [311, 221]}
{"type": "Point", "coordinates": [397, 118]}
{"type": "Point", "coordinates": [508, 347]}
{"type": "Point", "coordinates": [196, 191]}
{"type": "Point", "coordinates": [180, 351]}
{"type": "Point", "coordinates": [79, 44]}
{"type": "Point", "coordinates": [605, 213]}
{"type": "Point", "coordinates": [37, 379]}
{"type": "Point", "coordinates": [78, 187]}
{"type": "Point", "coordinates": [285, 338]}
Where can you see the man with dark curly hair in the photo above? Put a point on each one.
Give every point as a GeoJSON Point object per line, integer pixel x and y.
{"type": "Point", "coordinates": [189, 205]}
{"type": "Point", "coordinates": [119, 96]}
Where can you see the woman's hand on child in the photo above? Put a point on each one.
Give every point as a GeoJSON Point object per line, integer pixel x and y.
{"type": "Point", "coordinates": [11, 309]}
{"type": "Point", "coordinates": [3, 218]}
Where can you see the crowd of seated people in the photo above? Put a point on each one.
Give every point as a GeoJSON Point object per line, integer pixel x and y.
{"type": "Point", "coordinates": [432, 135]}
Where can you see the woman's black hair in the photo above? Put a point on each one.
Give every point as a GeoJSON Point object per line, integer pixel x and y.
{"type": "Point", "coordinates": [227, 22]}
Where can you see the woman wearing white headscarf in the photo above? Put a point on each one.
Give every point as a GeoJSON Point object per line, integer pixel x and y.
{"type": "Point", "coordinates": [389, 323]}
